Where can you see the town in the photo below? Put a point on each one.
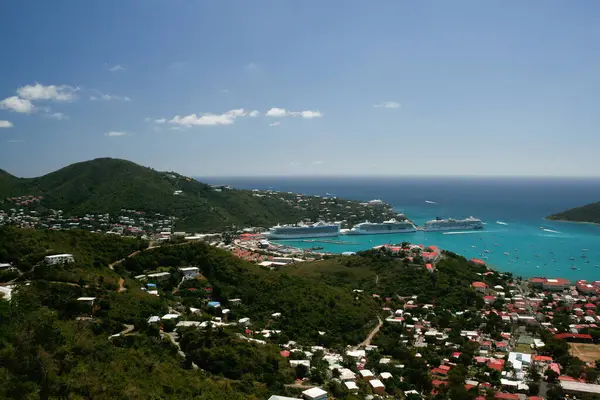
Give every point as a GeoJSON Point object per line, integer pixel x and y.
{"type": "Point", "coordinates": [515, 346]}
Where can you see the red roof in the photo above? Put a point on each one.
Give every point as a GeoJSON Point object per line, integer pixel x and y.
{"type": "Point", "coordinates": [284, 353]}
{"type": "Point", "coordinates": [573, 336]}
{"type": "Point", "coordinates": [479, 285]}
{"type": "Point", "coordinates": [590, 305]}
{"type": "Point", "coordinates": [535, 398]}
{"type": "Point", "coordinates": [542, 358]}
{"type": "Point", "coordinates": [456, 354]}
{"type": "Point", "coordinates": [439, 371]}
{"type": "Point", "coordinates": [438, 383]}
{"type": "Point", "coordinates": [477, 261]}
{"type": "Point", "coordinates": [507, 396]}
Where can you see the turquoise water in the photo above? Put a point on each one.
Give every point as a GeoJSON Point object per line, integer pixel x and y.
{"type": "Point", "coordinates": [532, 251]}
{"type": "Point", "coordinates": [522, 203]}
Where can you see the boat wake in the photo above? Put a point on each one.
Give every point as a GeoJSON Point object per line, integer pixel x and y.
{"type": "Point", "coordinates": [501, 223]}
{"type": "Point", "coordinates": [466, 232]}
{"type": "Point", "coordinates": [550, 230]}
{"type": "Point", "coordinates": [430, 202]}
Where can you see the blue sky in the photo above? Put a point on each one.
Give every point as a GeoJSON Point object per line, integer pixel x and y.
{"type": "Point", "coordinates": [308, 87]}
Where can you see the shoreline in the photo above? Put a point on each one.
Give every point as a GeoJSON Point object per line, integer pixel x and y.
{"type": "Point", "coordinates": [572, 222]}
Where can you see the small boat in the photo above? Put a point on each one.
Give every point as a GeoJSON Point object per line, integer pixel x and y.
{"type": "Point", "coordinates": [573, 267]}
{"type": "Point", "coordinates": [571, 258]}
{"type": "Point", "coordinates": [537, 266]}
{"type": "Point", "coordinates": [486, 251]}
{"type": "Point", "coordinates": [584, 249]}
{"type": "Point", "coordinates": [496, 244]}
{"type": "Point", "coordinates": [597, 266]}
{"type": "Point", "coordinates": [506, 253]}
{"type": "Point", "coordinates": [501, 223]}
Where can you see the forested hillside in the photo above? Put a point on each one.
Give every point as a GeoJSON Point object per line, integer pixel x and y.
{"type": "Point", "coordinates": [587, 213]}
{"type": "Point", "coordinates": [109, 185]}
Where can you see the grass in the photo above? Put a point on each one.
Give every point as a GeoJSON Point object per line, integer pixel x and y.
{"type": "Point", "coordinates": [585, 351]}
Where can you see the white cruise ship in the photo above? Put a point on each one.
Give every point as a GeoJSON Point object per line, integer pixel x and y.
{"type": "Point", "coordinates": [374, 228]}
{"type": "Point", "coordinates": [451, 224]}
{"type": "Point", "coordinates": [302, 231]}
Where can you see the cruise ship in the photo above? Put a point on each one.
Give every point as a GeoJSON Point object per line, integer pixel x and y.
{"type": "Point", "coordinates": [451, 224]}
{"type": "Point", "coordinates": [302, 230]}
{"type": "Point", "coordinates": [374, 228]}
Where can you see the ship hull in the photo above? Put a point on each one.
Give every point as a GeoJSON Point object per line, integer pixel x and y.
{"type": "Point", "coordinates": [359, 232]}
{"type": "Point", "coordinates": [452, 228]}
{"type": "Point", "coordinates": [303, 235]}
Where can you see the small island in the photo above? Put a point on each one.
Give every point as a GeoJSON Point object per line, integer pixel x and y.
{"type": "Point", "coordinates": [588, 213]}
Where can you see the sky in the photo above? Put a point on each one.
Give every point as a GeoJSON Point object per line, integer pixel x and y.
{"type": "Point", "coordinates": [302, 88]}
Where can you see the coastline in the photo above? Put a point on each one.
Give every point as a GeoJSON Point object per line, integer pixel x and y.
{"type": "Point", "coordinates": [572, 222]}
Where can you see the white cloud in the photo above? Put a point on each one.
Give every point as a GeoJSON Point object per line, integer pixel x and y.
{"type": "Point", "coordinates": [109, 97]}
{"type": "Point", "coordinates": [317, 162]}
{"type": "Point", "coordinates": [50, 92]}
{"type": "Point", "coordinates": [309, 114]}
{"type": "Point", "coordinates": [251, 66]}
{"type": "Point", "coordinates": [276, 123]}
{"type": "Point", "coordinates": [240, 112]}
{"type": "Point", "coordinates": [227, 118]}
{"type": "Point", "coordinates": [282, 112]}
{"type": "Point", "coordinates": [17, 104]}
{"type": "Point", "coordinates": [6, 124]}
{"type": "Point", "coordinates": [161, 121]}
{"type": "Point", "coordinates": [294, 163]}
{"type": "Point", "coordinates": [276, 112]}
{"type": "Point", "coordinates": [254, 113]}
{"type": "Point", "coordinates": [203, 120]}
{"type": "Point", "coordinates": [116, 134]}
{"type": "Point", "coordinates": [58, 115]}
{"type": "Point", "coordinates": [387, 104]}
{"type": "Point", "coordinates": [116, 68]}
{"type": "Point", "coordinates": [15, 141]}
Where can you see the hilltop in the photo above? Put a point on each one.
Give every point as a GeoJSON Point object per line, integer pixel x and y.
{"type": "Point", "coordinates": [587, 213]}
{"type": "Point", "coordinates": [107, 185]}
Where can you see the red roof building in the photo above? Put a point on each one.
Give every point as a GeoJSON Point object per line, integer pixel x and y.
{"type": "Point", "coordinates": [507, 396]}
{"type": "Point", "coordinates": [573, 336]}
{"type": "Point", "coordinates": [481, 286]}
{"type": "Point", "coordinates": [477, 261]}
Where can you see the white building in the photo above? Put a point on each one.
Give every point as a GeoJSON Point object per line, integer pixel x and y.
{"type": "Point", "coordinates": [315, 394]}
{"type": "Point", "coordinates": [159, 276]}
{"type": "Point", "coordinates": [190, 272]}
{"type": "Point", "coordinates": [59, 259]}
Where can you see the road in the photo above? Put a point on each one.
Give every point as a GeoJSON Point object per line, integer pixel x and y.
{"type": "Point", "coordinates": [367, 341]}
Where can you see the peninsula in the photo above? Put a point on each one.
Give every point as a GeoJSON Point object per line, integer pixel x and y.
{"type": "Point", "coordinates": [588, 213]}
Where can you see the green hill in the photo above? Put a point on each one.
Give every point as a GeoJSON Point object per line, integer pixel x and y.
{"type": "Point", "coordinates": [109, 185]}
{"type": "Point", "coordinates": [587, 213]}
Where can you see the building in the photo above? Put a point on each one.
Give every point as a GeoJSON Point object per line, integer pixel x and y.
{"type": "Point", "coordinates": [275, 397]}
{"type": "Point", "coordinates": [315, 394]}
{"type": "Point", "coordinates": [578, 388]}
{"type": "Point", "coordinates": [552, 285]}
{"type": "Point", "coordinates": [378, 386]}
{"type": "Point", "coordinates": [479, 286]}
{"type": "Point", "coordinates": [159, 276]}
{"type": "Point", "coordinates": [59, 259]}
{"type": "Point", "coordinates": [190, 272]}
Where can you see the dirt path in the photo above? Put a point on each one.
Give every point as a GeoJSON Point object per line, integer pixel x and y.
{"type": "Point", "coordinates": [367, 341]}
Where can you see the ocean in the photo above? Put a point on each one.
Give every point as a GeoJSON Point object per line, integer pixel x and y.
{"type": "Point", "coordinates": [533, 245]}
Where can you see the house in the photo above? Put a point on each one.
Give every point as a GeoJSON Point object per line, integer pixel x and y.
{"type": "Point", "coordinates": [350, 385]}
{"type": "Point", "coordinates": [378, 386]}
{"type": "Point", "coordinates": [275, 397]}
{"type": "Point", "coordinates": [160, 276]}
{"type": "Point", "coordinates": [59, 259]}
{"type": "Point", "coordinates": [89, 300]}
{"type": "Point", "coordinates": [315, 394]}
{"type": "Point", "coordinates": [190, 272]}
{"type": "Point", "coordinates": [366, 374]}
{"type": "Point", "coordinates": [479, 286]}
{"type": "Point", "coordinates": [552, 285]}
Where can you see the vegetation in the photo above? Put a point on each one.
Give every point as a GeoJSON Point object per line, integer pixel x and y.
{"type": "Point", "coordinates": [308, 306]}
{"type": "Point", "coordinates": [587, 213]}
{"type": "Point", "coordinates": [109, 185]}
{"type": "Point", "coordinates": [55, 346]}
